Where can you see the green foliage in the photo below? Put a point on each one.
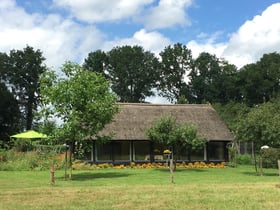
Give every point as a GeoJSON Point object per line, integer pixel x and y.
{"type": "Point", "coordinates": [270, 157]}
{"type": "Point", "coordinates": [167, 130]}
{"type": "Point", "coordinates": [261, 125]}
{"type": "Point", "coordinates": [82, 101]}
{"type": "Point", "coordinates": [22, 70]}
{"type": "Point", "coordinates": [212, 80]}
{"type": "Point", "coordinates": [232, 113]}
{"type": "Point", "coordinates": [96, 61]}
{"type": "Point", "coordinates": [12, 160]}
{"type": "Point", "coordinates": [133, 73]}
{"type": "Point", "coordinates": [9, 114]}
{"type": "Point", "coordinates": [245, 159]}
{"type": "Point", "coordinates": [176, 62]}
{"type": "Point", "coordinates": [163, 130]}
{"type": "Point", "coordinates": [22, 145]}
{"type": "Point", "coordinates": [260, 80]}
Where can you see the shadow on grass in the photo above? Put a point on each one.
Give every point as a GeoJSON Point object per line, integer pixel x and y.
{"type": "Point", "coordinates": [182, 170]}
{"type": "Point", "coordinates": [253, 173]}
{"type": "Point", "coordinates": [85, 176]}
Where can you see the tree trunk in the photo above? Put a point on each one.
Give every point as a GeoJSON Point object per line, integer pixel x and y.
{"type": "Point", "coordinates": [29, 113]}
{"type": "Point", "coordinates": [261, 165]}
{"type": "Point", "coordinates": [71, 149]}
{"type": "Point", "coordinates": [255, 160]}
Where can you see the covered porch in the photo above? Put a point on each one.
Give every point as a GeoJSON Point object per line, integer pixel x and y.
{"type": "Point", "coordinates": [142, 151]}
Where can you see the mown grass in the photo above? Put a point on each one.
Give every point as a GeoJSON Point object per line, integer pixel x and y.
{"type": "Point", "coordinates": [229, 188]}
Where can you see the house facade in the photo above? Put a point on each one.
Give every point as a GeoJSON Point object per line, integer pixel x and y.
{"type": "Point", "coordinates": [130, 144]}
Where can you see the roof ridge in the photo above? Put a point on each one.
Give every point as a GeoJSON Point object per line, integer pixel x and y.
{"type": "Point", "coordinates": [148, 104]}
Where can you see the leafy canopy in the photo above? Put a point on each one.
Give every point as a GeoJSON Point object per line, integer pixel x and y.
{"type": "Point", "coordinates": [21, 70]}
{"type": "Point", "coordinates": [261, 125]}
{"type": "Point", "coordinates": [167, 130]}
{"type": "Point", "coordinates": [81, 100]}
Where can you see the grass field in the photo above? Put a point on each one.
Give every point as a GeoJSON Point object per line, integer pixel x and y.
{"type": "Point", "coordinates": [229, 188]}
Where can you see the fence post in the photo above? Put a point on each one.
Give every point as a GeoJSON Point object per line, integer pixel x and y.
{"type": "Point", "coordinates": [52, 174]}
{"type": "Point", "coordinates": [279, 166]}
{"type": "Point", "coordinates": [171, 168]}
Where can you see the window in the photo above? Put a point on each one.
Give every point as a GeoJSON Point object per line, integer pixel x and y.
{"type": "Point", "coordinates": [216, 151]}
{"type": "Point", "coordinates": [121, 150]}
{"type": "Point", "coordinates": [141, 150]}
{"type": "Point", "coordinates": [104, 152]}
{"type": "Point", "coordinates": [198, 154]}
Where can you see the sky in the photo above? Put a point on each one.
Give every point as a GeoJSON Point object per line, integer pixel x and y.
{"type": "Point", "coordinates": [240, 31]}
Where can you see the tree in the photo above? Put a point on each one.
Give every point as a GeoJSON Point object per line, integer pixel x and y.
{"type": "Point", "coordinates": [259, 82]}
{"type": "Point", "coordinates": [177, 136]}
{"type": "Point", "coordinates": [232, 113]}
{"type": "Point", "coordinates": [22, 70]}
{"type": "Point", "coordinates": [9, 114]}
{"type": "Point", "coordinates": [212, 80]}
{"type": "Point", "coordinates": [176, 62]}
{"type": "Point", "coordinates": [261, 126]}
{"type": "Point", "coordinates": [133, 73]}
{"type": "Point", "coordinates": [96, 61]}
{"type": "Point", "coordinates": [81, 100]}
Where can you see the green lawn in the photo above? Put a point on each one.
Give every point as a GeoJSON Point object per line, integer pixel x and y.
{"type": "Point", "coordinates": [229, 188]}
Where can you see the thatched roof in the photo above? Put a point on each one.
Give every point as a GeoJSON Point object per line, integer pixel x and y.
{"type": "Point", "coordinates": [134, 119]}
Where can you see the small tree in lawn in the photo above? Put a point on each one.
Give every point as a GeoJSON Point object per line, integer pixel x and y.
{"type": "Point", "coordinates": [175, 135]}
{"type": "Point", "coordinates": [261, 126]}
{"type": "Point", "coordinates": [80, 99]}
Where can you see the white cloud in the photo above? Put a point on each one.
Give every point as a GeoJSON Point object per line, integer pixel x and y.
{"type": "Point", "coordinates": [59, 39]}
{"type": "Point", "coordinates": [207, 44]}
{"type": "Point", "coordinates": [152, 41]}
{"type": "Point", "coordinates": [253, 39]}
{"type": "Point", "coordinates": [101, 11]}
{"type": "Point", "coordinates": [167, 14]}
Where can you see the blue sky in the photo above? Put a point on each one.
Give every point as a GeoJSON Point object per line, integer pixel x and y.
{"type": "Point", "coordinates": [240, 31]}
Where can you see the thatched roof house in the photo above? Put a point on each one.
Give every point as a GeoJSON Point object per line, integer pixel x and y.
{"type": "Point", "coordinates": [134, 119]}
{"type": "Point", "coordinates": [130, 144]}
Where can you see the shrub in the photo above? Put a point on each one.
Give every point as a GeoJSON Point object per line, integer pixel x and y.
{"type": "Point", "coordinates": [245, 159]}
{"type": "Point", "coordinates": [15, 161]}
{"type": "Point", "coordinates": [270, 157]}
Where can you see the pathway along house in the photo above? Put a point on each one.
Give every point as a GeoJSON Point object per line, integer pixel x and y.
{"type": "Point", "coordinates": [130, 144]}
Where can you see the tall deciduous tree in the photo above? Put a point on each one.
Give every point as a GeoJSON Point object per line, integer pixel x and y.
{"type": "Point", "coordinates": [133, 73]}
{"type": "Point", "coordinates": [176, 63]}
{"type": "Point", "coordinates": [96, 61]}
{"type": "Point", "coordinates": [9, 114]}
{"type": "Point", "coordinates": [22, 71]}
{"type": "Point", "coordinates": [203, 77]}
{"type": "Point", "coordinates": [259, 82]}
{"type": "Point", "coordinates": [81, 100]}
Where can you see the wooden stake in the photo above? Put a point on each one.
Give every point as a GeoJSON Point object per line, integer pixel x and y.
{"type": "Point", "coordinates": [261, 165]}
{"type": "Point", "coordinates": [52, 175]}
{"type": "Point", "coordinates": [279, 166]}
{"type": "Point", "coordinates": [171, 171]}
